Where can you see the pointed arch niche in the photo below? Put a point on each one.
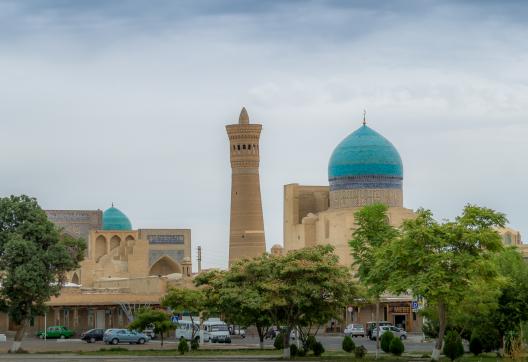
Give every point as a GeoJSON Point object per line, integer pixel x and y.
{"type": "Point", "coordinates": [100, 247]}
{"type": "Point", "coordinates": [75, 279]}
{"type": "Point", "coordinates": [164, 266]}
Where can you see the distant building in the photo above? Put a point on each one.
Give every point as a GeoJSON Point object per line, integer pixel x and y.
{"type": "Point", "coordinates": [123, 269]}
{"type": "Point", "coordinates": [511, 237]}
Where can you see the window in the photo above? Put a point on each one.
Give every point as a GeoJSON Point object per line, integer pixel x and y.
{"type": "Point", "coordinates": [238, 146]}
{"type": "Point", "coordinates": [249, 147]}
{"type": "Point", "coordinates": [244, 146]}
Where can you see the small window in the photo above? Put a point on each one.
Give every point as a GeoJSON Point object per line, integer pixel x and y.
{"type": "Point", "coordinates": [238, 146]}
{"type": "Point", "coordinates": [249, 147]}
{"type": "Point", "coordinates": [234, 147]}
{"type": "Point", "coordinates": [244, 146]}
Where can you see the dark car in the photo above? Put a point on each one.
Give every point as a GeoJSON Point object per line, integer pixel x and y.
{"type": "Point", "coordinates": [93, 335]}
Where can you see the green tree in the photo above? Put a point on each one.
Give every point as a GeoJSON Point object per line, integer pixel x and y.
{"type": "Point", "coordinates": [453, 348]}
{"type": "Point", "coordinates": [190, 301]}
{"type": "Point", "coordinates": [512, 305]}
{"type": "Point", "coordinates": [157, 318]}
{"type": "Point", "coordinates": [372, 232]}
{"type": "Point", "coordinates": [442, 261]}
{"type": "Point", "coordinates": [302, 288]}
{"type": "Point", "coordinates": [306, 286]}
{"type": "Point", "coordinates": [238, 294]}
{"type": "Point", "coordinates": [34, 260]}
{"type": "Point", "coordinates": [183, 346]}
{"type": "Point", "coordinates": [348, 344]}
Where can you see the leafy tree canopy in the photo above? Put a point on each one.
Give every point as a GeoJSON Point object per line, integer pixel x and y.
{"type": "Point", "coordinates": [34, 259]}
{"type": "Point", "coordinates": [156, 318]}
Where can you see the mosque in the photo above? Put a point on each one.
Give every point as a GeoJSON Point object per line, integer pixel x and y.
{"type": "Point", "coordinates": [365, 168]}
{"type": "Point", "coordinates": [125, 268]}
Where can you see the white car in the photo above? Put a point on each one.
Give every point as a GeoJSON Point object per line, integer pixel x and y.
{"type": "Point", "coordinates": [355, 330]}
{"type": "Point", "coordinates": [398, 332]}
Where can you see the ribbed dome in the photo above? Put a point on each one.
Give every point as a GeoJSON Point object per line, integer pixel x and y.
{"type": "Point", "coordinates": [365, 153]}
{"type": "Point", "coordinates": [115, 219]}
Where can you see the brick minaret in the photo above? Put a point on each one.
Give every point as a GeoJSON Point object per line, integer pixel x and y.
{"type": "Point", "coordinates": [246, 236]}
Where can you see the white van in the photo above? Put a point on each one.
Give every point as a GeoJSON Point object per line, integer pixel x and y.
{"type": "Point", "coordinates": [184, 328]}
{"type": "Point", "coordinates": [215, 331]}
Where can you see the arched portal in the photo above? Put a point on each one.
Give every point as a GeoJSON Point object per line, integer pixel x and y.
{"type": "Point", "coordinates": [164, 266]}
{"type": "Point", "coordinates": [100, 247]}
{"type": "Point", "coordinates": [75, 278]}
{"type": "Point", "coordinates": [115, 242]}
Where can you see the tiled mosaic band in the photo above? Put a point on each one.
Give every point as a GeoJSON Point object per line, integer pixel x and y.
{"type": "Point", "coordinates": [365, 182]}
{"type": "Point", "coordinates": [340, 199]}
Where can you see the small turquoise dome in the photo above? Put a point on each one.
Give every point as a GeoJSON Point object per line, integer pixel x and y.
{"type": "Point", "coordinates": [365, 159]}
{"type": "Point", "coordinates": [115, 219]}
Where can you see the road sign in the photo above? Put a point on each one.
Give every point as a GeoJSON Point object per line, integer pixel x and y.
{"type": "Point", "coordinates": [174, 319]}
{"type": "Point", "coordinates": [414, 305]}
{"type": "Point", "coordinates": [350, 309]}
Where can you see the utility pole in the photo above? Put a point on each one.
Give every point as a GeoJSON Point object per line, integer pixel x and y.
{"type": "Point", "coordinates": [199, 259]}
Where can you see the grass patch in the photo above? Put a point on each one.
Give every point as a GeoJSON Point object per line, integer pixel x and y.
{"type": "Point", "coordinates": [327, 356]}
{"type": "Point", "coordinates": [175, 352]}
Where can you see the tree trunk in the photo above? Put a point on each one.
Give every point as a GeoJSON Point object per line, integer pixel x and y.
{"type": "Point", "coordinates": [161, 336]}
{"type": "Point", "coordinates": [377, 329]}
{"type": "Point", "coordinates": [286, 350]}
{"type": "Point", "coordinates": [17, 342]}
{"type": "Point", "coordinates": [441, 331]}
{"type": "Point", "coordinates": [260, 332]}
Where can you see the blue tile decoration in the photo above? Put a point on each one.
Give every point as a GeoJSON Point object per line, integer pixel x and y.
{"type": "Point", "coordinates": [365, 160]}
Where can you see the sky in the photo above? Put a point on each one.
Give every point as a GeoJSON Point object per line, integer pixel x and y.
{"type": "Point", "coordinates": [126, 101]}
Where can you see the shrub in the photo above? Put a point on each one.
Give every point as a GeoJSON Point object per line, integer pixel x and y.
{"type": "Point", "coordinates": [475, 344]}
{"type": "Point", "coordinates": [360, 351]}
{"type": "Point", "coordinates": [183, 346]}
{"type": "Point", "coordinates": [453, 347]}
{"type": "Point", "coordinates": [348, 344]}
{"type": "Point", "coordinates": [318, 349]}
{"type": "Point", "coordinates": [294, 351]}
{"type": "Point", "coordinates": [195, 344]}
{"type": "Point", "coordinates": [386, 339]}
{"type": "Point", "coordinates": [301, 352]}
{"type": "Point", "coordinates": [310, 342]}
{"type": "Point", "coordinates": [279, 341]}
{"type": "Point", "coordinates": [489, 338]}
{"type": "Point", "coordinates": [396, 347]}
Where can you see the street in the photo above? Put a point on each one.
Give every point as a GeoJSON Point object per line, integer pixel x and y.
{"type": "Point", "coordinates": [331, 343]}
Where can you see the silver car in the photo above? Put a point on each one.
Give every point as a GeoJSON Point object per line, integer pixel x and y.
{"type": "Point", "coordinates": [398, 332]}
{"type": "Point", "coordinates": [115, 336]}
{"type": "Point", "coordinates": [355, 330]}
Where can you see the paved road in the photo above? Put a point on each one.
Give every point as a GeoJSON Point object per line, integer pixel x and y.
{"type": "Point", "coordinates": [31, 344]}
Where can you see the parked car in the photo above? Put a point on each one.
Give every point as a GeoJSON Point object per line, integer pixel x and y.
{"type": "Point", "coordinates": [398, 332]}
{"type": "Point", "coordinates": [149, 331]}
{"type": "Point", "coordinates": [115, 336]}
{"type": "Point", "coordinates": [93, 335]}
{"type": "Point", "coordinates": [372, 325]}
{"type": "Point", "coordinates": [56, 332]}
{"type": "Point", "coordinates": [355, 330]}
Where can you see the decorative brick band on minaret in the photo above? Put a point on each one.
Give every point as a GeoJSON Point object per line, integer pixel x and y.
{"type": "Point", "coordinates": [246, 236]}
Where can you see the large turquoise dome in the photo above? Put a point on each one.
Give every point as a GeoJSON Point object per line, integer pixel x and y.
{"type": "Point", "coordinates": [115, 219]}
{"type": "Point", "coordinates": [365, 160]}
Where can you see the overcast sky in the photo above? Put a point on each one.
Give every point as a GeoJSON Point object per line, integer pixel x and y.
{"type": "Point", "coordinates": [126, 102]}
